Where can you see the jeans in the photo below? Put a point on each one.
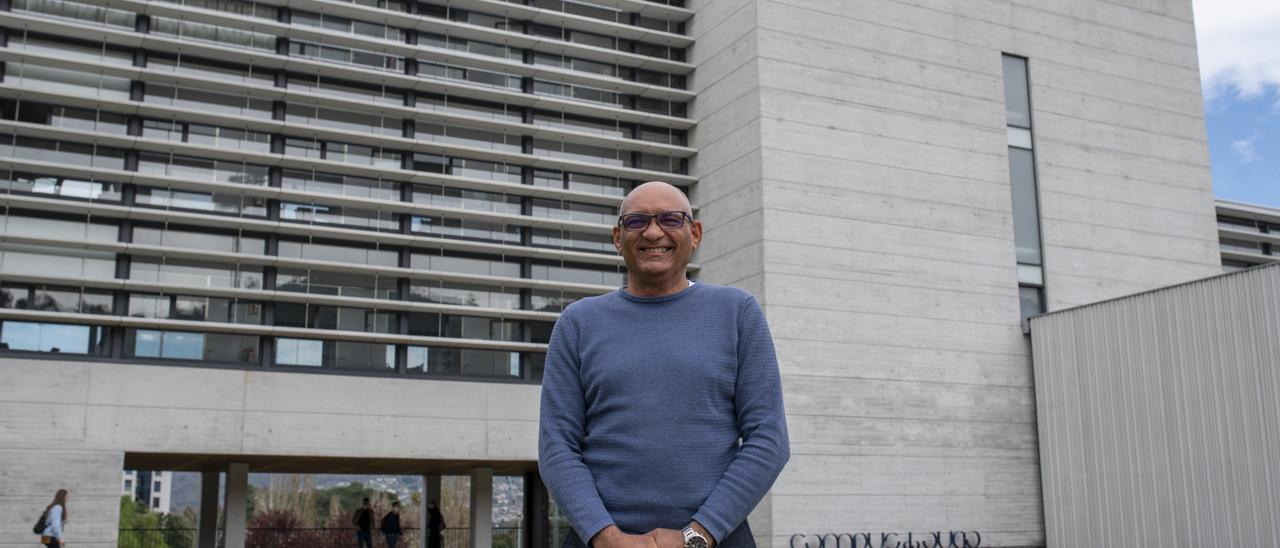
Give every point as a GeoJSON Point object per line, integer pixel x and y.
{"type": "Point", "coordinates": [364, 538]}
{"type": "Point", "coordinates": [738, 538]}
{"type": "Point", "coordinates": [392, 539]}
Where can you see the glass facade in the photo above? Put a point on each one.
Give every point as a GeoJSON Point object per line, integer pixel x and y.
{"type": "Point", "coordinates": [407, 196]}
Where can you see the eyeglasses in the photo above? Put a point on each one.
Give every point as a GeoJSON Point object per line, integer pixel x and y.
{"type": "Point", "coordinates": [667, 220]}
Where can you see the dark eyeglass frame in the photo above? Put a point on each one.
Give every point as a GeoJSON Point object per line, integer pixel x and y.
{"type": "Point", "coordinates": [667, 220]}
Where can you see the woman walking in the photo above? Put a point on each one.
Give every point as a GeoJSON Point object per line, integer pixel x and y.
{"type": "Point", "coordinates": [55, 519]}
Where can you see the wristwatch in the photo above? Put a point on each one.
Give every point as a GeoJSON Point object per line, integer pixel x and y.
{"type": "Point", "coordinates": [693, 539]}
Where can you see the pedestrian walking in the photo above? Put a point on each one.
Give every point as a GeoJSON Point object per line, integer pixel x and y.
{"type": "Point", "coordinates": [390, 525]}
{"type": "Point", "coordinates": [53, 521]}
{"type": "Point", "coordinates": [362, 519]}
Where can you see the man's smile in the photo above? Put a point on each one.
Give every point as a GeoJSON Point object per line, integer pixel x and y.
{"type": "Point", "coordinates": [656, 250]}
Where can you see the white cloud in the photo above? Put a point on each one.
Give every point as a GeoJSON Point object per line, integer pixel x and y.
{"type": "Point", "coordinates": [1239, 43]}
{"type": "Point", "coordinates": [1244, 149]}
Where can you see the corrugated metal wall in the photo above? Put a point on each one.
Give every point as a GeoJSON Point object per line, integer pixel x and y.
{"type": "Point", "coordinates": [1159, 416]}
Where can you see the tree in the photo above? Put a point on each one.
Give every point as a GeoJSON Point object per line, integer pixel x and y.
{"type": "Point", "coordinates": [179, 529]}
{"type": "Point", "coordinates": [338, 503]}
{"type": "Point", "coordinates": [276, 528]}
{"type": "Point", "coordinates": [139, 526]}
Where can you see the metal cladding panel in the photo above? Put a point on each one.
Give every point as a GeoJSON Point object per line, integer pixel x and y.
{"type": "Point", "coordinates": [1159, 416]}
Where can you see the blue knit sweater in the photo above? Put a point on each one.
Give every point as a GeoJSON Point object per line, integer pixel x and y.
{"type": "Point", "coordinates": [661, 410]}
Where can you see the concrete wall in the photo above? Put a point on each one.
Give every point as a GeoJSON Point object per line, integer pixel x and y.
{"type": "Point", "coordinates": [888, 257]}
{"type": "Point", "coordinates": [1158, 417]}
{"type": "Point", "coordinates": [68, 425]}
{"type": "Point", "coordinates": [730, 190]}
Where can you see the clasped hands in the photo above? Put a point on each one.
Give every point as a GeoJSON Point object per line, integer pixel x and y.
{"type": "Point", "coordinates": [613, 537]}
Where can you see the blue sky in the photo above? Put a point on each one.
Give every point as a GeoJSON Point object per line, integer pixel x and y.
{"type": "Point", "coordinates": [1239, 42]}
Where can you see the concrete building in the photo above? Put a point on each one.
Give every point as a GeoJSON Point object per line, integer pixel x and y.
{"type": "Point", "coordinates": [316, 235]}
{"type": "Point", "coordinates": [1249, 234]}
{"type": "Point", "coordinates": [151, 487]}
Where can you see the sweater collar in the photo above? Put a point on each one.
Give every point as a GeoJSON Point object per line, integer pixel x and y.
{"type": "Point", "coordinates": [693, 286]}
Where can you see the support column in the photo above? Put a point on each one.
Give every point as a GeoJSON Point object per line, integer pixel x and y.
{"type": "Point", "coordinates": [481, 508]}
{"type": "Point", "coordinates": [430, 492]}
{"type": "Point", "coordinates": [207, 530]}
{"type": "Point", "coordinates": [535, 512]}
{"type": "Point", "coordinates": [236, 504]}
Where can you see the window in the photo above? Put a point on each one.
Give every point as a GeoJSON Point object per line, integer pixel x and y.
{"type": "Point", "coordinates": [465, 263]}
{"type": "Point", "coordinates": [464, 295]}
{"type": "Point", "coordinates": [184, 345]}
{"type": "Point", "coordinates": [466, 228]}
{"type": "Point", "coordinates": [56, 298]}
{"type": "Point", "coordinates": [349, 56]}
{"type": "Point", "coordinates": [64, 187]}
{"type": "Point", "coordinates": [235, 104]}
{"type": "Point", "coordinates": [52, 337]}
{"type": "Point", "coordinates": [60, 116]}
{"type": "Point", "coordinates": [198, 238]}
{"type": "Point", "coordinates": [194, 308]}
{"type": "Point", "coordinates": [77, 10]}
{"type": "Point", "coordinates": [346, 284]}
{"type": "Point", "coordinates": [62, 152]}
{"type": "Point", "coordinates": [583, 274]}
{"type": "Point", "coordinates": [343, 119]}
{"type": "Point", "coordinates": [372, 219]}
{"type": "Point", "coordinates": [1022, 174]}
{"type": "Point", "coordinates": [575, 240]}
{"type": "Point", "coordinates": [342, 185]}
{"type": "Point", "coordinates": [32, 74]}
{"type": "Point", "coordinates": [203, 32]}
{"type": "Point", "coordinates": [40, 260]}
{"type": "Point", "coordinates": [195, 273]}
{"type": "Point", "coordinates": [335, 354]}
{"type": "Point", "coordinates": [338, 252]}
{"type": "Point", "coordinates": [466, 199]}
{"type": "Point", "coordinates": [72, 229]}
{"type": "Point", "coordinates": [215, 136]}
{"type": "Point", "coordinates": [202, 169]}
{"type": "Point", "coordinates": [224, 203]}
{"type": "Point", "coordinates": [342, 318]}
{"type": "Point", "coordinates": [546, 300]}
{"type": "Point", "coordinates": [463, 361]}
{"type": "Point", "coordinates": [463, 327]}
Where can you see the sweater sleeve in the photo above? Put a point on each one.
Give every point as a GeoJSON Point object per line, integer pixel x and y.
{"type": "Point", "coordinates": [562, 433]}
{"type": "Point", "coordinates": [54, 528]}
{"type": "Point", "coordinates": [762, 426]}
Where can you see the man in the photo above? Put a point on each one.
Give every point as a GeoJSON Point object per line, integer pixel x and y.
{"type": "Point", "coordinates": [647, 391]}
{"type": "Point", "coordinates": [363, 520]}
{"type": "Point", "coordinates": [390, 525]}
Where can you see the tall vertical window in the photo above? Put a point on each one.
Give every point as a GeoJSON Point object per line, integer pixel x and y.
{"type": "Point", "coordinates": [1022, 172]}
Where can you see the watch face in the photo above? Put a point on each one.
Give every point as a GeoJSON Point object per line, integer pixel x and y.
{"type": "Point", "coordinates": [695, 542]}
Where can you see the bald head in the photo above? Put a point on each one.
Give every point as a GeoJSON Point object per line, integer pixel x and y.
{"type": "Point", "coordinates": [657, 191]}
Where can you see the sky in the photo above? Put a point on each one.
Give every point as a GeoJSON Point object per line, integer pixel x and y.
{"type": "Point", "coordinates": [1239, 42]}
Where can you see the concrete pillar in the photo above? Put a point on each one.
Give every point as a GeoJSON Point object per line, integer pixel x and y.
{"type": "Point", "coordinates": [430, 492]}
{"type": "Point", "coordinates": [236, 504]}
{"type": "Point", "coordinates": [481, 508]}
{"type": "Point", "coordinates": [207, 530]}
